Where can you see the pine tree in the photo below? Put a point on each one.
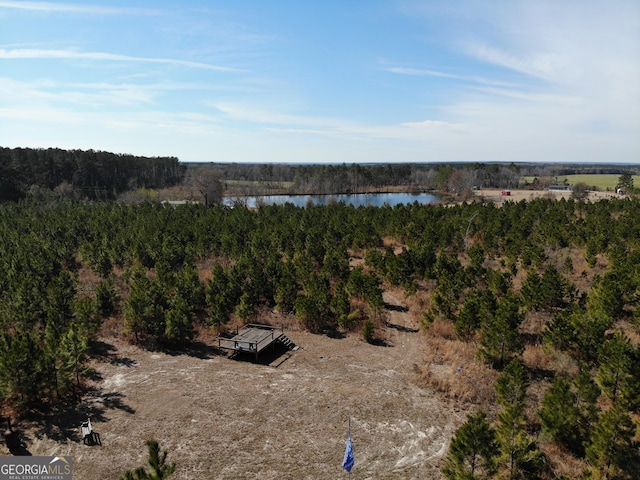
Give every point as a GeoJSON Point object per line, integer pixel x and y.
{"type": "Point", "coordinates": [500, 338]}
{"type": "Point", "coordinates": [511, 385]}
{"type": "Point", "coordinates": [607, 295]}
{"type": "Point", "coordinates": [473, 450]}
{"type": "Point", "coordinates": [286, 289]}
{"type": "Point", "coordinates": [106, 299]}
{"type": "Point", "coordinates": [578, 333]}
{"type": "Point", "coordinates": [553, 287]}
{"type": "Point", "coordinates": [531, 291]}
{"type": "Point", "coordinates": [190, 287]}
{"type": "Point", "coordinates": [519, 452]}
{"type": "Point", "coordinates": [340, 306]}
{"type": "Point", "coordinates": [615, 373]}
{"type": "Point", "coordinates": [625, 181]}
{"type": "Point", "coordinates": [179, 321]}
{"type": "Point", "coordinates": [568, 411]}
{"type": "Point", "coordinates": [73, 348]}
{"type": "Point", "coordinates": [245, 308]}
{"type": "Point", "coordinates": [470, 317]}
{"type": "Point", "coordinates": [159, 470]}
{"type": "Point", "coordinates": [448, 272]}
{"type": "Point", "coordinates": [612, 452]}
{"type": "Point", "coordinates": [138, 303]}
{"type": "Point", "coordinates": [23, 371]}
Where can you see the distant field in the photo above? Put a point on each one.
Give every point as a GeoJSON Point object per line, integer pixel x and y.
{"type": "Point", "coordinates": [600, 181]}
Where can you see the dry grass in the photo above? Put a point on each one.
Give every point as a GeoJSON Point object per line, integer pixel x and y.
{"type": "Point", "coordinates": [533, 325]}
{"type": "Point", "coordinates": [630, 330]}
{"type": "Point", "coordinates": [88, 281]}
{"type": "Point", "coordinates": [562, 462]}
{"type": "Point", "coordinates": [453, 369]}
{"type": "Point", "coordinates": [443, 329]}
{"type": "Point", "coordinates": [536, 359]}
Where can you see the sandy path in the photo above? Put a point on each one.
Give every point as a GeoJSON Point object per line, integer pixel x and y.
{"type": "Point", "coordinates": [227, 419]}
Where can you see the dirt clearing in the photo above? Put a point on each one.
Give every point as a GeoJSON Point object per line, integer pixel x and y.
{"type": "Point", "coordinates": [229, 419]}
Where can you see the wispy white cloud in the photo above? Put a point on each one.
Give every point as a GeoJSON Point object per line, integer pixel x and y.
{"type": "Point", "coordinates": [76, 8]}
{"type": "Point", "coordinates": [92, 95]}
{"type": "Point", "coordinates": [423, 131]}
{"type": "Point", "coordinates": [434, 125]}
{"type": "Point", "coordinates": [532, 96]}
{"type": "Point", "coordinates": [82, 95]}
{"type": "Point", "coordinates": [462, 78]}
{"type": "Point", "coordinates": [249, 113]}
{"type": "Point", "coordinates": [300, 125]}
{"type": "Point", "coordinates": [540, 65]}
{"type": "Point", "coordinates": [26, 53]}
{"type": "Point", "coordinates": [139, 120]}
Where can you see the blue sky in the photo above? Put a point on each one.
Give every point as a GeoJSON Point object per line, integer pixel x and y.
{"type": "Point", "coordinates": [325, 81]}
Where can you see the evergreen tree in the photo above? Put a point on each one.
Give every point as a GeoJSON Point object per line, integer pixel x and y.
{"type": "Point", "coordinates": [144, 310]}
{"type": "Point", "coordinates": [23, 371]}
{"type": "Point", "coordinates": [612, 453]}
{"type": "Point", "coordinates": [591, 252]}
{"type": "Point", "coordinates": [511, 385]}
{"type": "Point", "coordinates": [607, 295]}
{"type": "Point", "coordinates": [159, 470]}
{"type": "Point", "coordinates": [368, 331]}
{"type": "Point", "coordinates": [245, 308]}
{"type": "Point", "coordinates": [189, 287]}
{"type": "Point", "coordinates": [519, 453]}
{"type": "Point", "coordinates": [313, 305]}
{"type": "Point", "coordinates": [578, 333]}
{"type": "Point", "coordinates": [286, 289]}
{"type": "Point", "coordinates": [616, 375]}
{"type": "Point", "coordinates": [473, 450]}
{"type": "Point", "coordinates": [449, 284]}
{"type": "Point", "coordinates": [500, 337]}
{"type": "Point", "coordinates": [553, 288]}
{"type": "Point", "coordinates": [179, 321]}
{"type": "Point", "coordinates": [569, 410]}
{"type": "Point", "coordinates": [340, 305]}
{"type": "Point", "coordinates": [531, 291]}
{"type": "Point", "coordinates": [73, 348]}
{"type": "Point", "coordinates": [625, 181]}
{"type": "Point", "coordinates": [470, 317]}
{"type": "Point", "coordinates": [221, 295]}
{"type": "Point", "coordinates": [106, 298]}
{"type": "Point", "coordinates": [86, 316]}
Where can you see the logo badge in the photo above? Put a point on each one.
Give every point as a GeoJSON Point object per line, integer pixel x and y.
{"type": "Point", "coordinates": [35, 468]}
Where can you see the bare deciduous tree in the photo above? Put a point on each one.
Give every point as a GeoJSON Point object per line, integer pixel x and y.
{"type": "Point", "coordinates": [207, 181]}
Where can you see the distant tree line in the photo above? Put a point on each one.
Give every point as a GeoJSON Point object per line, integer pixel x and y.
{"type": "Point", "coordinates": [103, 175]}
{"type": "Point", "coordinates": [85, 174]}
{"type": "Point", "coordinates": [251, 179]}
{"type": "Point", "coordinates": [458, 180]}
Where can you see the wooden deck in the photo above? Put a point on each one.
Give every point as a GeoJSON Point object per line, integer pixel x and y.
{"type": "Point", "coordinates": [253, 338]}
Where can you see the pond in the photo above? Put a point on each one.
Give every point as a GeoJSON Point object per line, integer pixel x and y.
{"type": "Point", "coordinates": [357, 199]}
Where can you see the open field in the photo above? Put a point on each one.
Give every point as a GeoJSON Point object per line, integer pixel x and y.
{"type": "Point", "coordinates": [285, 418]}
{"type": "Point", "coordinates": [600, 181]}
{"type": "Point", "coordinates": [492, 195]}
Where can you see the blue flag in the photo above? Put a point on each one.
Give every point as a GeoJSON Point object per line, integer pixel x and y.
{"type": "Point", "coordinates": [348, 461]}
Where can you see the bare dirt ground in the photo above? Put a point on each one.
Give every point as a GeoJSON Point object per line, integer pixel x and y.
{"type": "Point", "coordinates": [518, 195]}
{"type": "Point", "coordinates": [283, 418]}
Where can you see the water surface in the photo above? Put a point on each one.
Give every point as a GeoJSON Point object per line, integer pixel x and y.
{"type": "Point", "coordinates": [357, 199]}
